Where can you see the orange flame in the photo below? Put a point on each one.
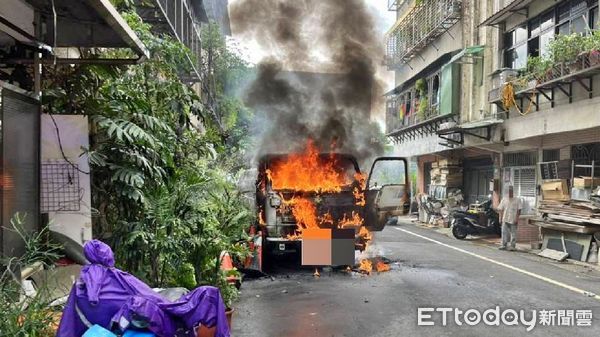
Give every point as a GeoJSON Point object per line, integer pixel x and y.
{"type": "Point", "coordinates": [362, 180]}
{"type": "Point", "coordinates": [365, 266]}
{"type": "Point", "coordinates": [381, 266]}
{"type": "Point", "coordinates": [304, 212]}
{"type": "Point", "coordinates": [359, 194]}
{"type": "Point", "coordinates": [365, 234]}
{"type": "Point", "coordinates": [359, 197]}
{"type": "Point", "coordinates": [307, 172]}
{"type": "Point", "coordinates": [326, 219]}
{"type": "Point", "coordinates": [354, 220]}
{"type": "Point", "coordinates": [311, 172]}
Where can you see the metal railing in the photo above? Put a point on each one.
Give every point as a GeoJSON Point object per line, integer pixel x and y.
{"type": "Point", "coordinates": [395, 123]}
{"type": "Point", "coordinates": [583, 67]}
{"type": "Point", "coordinates": [421, 25]}
{"type": "Point", "coordinates": [176, 18]}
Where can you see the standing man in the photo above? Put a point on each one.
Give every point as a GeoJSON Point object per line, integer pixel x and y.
{"type": "Point", "coordinates": [510, 210]}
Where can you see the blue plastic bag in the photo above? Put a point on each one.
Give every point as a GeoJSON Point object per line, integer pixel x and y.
{"type": "Point", "coordinates": [134, 333]}
{"type": "Point", "coordinates": [98, 331]}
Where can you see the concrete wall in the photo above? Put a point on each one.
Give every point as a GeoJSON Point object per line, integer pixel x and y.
{"type": "Point", "coordinates": [74, 135]}
{"type": "Point", "coordinates": [535, 8]}
{"type": "Point", "coordinates": [19, 13]}
{"type": "Point", "coordinates": [419, 146]}
{"type": "Point", "coordinates": [580, 115]}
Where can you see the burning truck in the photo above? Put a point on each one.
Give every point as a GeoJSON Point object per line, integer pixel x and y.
{"type": "Point", "coordinates": [298, 192]}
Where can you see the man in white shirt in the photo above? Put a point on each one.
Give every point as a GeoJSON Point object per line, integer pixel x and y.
{"type": "Point", "coordinates": [510, 210]}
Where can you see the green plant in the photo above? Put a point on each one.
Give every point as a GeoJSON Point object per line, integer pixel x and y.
{"type": "Point", "coordinates": [421, 86]}
{"type": "Point", "coordinates": [566, 48]}
{"type": "Point", "coordinates": [24, 316]}
{"type": "Point", "coordinates": [538, 67]}
{"type": "Point", "coordinates": [423, 104]}
{"type": "Point", "coordinates": [27, 315]}
{"type": "Point", "coordinates": [594, 41]}
{"type": "Point", "coordinates": [164, 190]}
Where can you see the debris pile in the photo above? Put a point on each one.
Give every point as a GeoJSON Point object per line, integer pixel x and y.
{"type": "Point", "coordinates": [446, 172]}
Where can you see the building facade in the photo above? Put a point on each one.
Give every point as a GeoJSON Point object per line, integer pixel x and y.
{"type": "Point", "coordinates": [464, 92]}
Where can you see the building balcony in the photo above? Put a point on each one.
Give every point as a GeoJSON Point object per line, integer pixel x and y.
{"type": "Point", "coordinates": [560, 78]}
{"type": "Point", "coordinates": [177, 18]}
{"type": "Point", "coordinates": [418, 28]}
{"type": "Point", "coordinates": [416, 123]}
{"type": "Point", "coordinates": [394, 5]}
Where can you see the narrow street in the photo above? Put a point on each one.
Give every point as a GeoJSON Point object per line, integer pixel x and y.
{"type": "Point", "coordinates": [429, 269]}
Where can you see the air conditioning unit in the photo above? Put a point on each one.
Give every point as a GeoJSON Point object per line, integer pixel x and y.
{"type": "Point", "coordinates": [501, 76]}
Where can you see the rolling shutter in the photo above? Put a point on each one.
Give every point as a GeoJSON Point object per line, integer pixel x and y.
{"type": "Point", "coordinates": [20, 167]}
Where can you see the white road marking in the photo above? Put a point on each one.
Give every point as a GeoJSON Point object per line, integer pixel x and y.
{"type": "Point", "coordinates": [517, 269]}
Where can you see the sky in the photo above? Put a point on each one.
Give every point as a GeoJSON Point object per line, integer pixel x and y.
{"type": "Point", "coordinates": [384, 19]}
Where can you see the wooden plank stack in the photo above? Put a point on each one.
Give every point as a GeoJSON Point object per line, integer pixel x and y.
{"type": "Point", "coordinates": [447, 172]}
{"type": "Point", "coordinates": [575, 212]}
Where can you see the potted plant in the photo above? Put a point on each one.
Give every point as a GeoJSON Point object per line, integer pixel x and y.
{"type": "Point", "coordinates": [421, 86]}
{"type": "Point", "coordinates": [539, 68]}
{"type": "Point", "coordinates": [594, 48]}
{"type": "Point", "coordinates": [566, 50]}
{"type": "Point", "coordinates": [229, 293]}
{"type": "Point", "coordinates": [422, 110]}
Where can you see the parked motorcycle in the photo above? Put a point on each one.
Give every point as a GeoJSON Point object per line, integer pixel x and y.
{"type": "Point", "coordinates": [478, 219]}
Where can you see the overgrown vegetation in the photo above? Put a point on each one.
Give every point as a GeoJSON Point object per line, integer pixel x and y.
{"type": "Point", "coordinates": [164, 159]}
{"type": "Point", "coordinates": [423, 103]}
{"type": "Point", "coordinates": [26, 315]}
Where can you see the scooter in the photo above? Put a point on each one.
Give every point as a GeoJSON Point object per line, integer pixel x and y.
{"type": "Point", "coordinates": [478, 219]}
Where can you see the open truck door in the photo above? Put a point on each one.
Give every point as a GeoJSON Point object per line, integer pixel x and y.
{"type": "Point", "coordinates": [387, 192]}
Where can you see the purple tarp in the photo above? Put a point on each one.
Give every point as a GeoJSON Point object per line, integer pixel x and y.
{"type": "Point", "coordinates": [108, 296]}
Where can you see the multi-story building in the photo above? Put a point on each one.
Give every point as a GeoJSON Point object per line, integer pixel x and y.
{"type": "Point", "coordinates": [440, 56]}
{"type": "Point", "coordinates": [453, 60]}
{"type": "Point", "coordinates": [182, 19]}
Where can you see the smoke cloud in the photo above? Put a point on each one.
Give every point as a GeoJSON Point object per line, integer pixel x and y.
{"type": "Point", "coordinates": [319, 79]}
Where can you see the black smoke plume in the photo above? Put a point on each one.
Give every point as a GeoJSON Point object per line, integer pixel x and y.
{"type": "Point", "coordinates": [319, 80]}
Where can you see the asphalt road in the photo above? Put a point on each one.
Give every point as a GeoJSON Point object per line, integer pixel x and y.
{"type": "Point", "coordinates": [429, 270]}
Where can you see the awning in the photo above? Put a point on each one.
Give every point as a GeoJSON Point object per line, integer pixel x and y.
{"type": "Point", "coordinates": [472, 51]}
{"type": "Point", "coordinates": [481, 123]}
{"type": "Point", "coordinates": [504, 13]}
{"type": "Point", "coordinates": [86, 24]}
{"type": "Point", "coordinates": [455, 135]}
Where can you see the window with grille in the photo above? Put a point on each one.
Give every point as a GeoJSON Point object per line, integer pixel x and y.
{"type": "Point", "coordinates": [549, 170]}
{"type": "Point", "coordinates": [520, 159]}
{"type": "Point", "coordinates": [551, 155]}
{"type": "Point", "coordinates": [584, 154]}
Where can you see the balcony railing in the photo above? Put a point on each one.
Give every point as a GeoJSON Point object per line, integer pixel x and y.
{"type": "Point", "coordinates": [421, 25]}
{"type": "Point", "coordinates": [393, 5]}
{"type": "Point", "coordinates": [414, 117]}
{"type": "Point", "coordinates": [178, 19]}
{"type": "Point", "coordinates": [559, 78]}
